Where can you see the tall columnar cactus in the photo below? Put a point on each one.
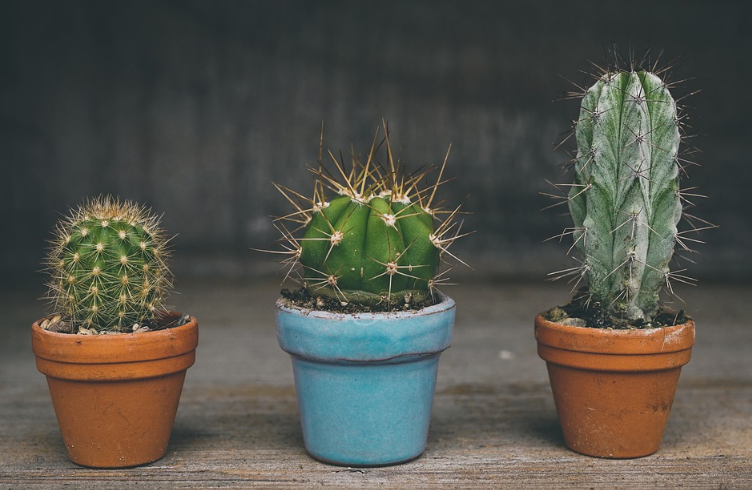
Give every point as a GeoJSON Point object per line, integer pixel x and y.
{"type": "Point", "coordinates": [107, 266]}
{"type": "Point", "coordinates": [625, 201]}
{"type": "Point", "coordinates": [378, 240]}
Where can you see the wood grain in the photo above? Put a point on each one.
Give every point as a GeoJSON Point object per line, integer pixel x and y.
{"type": "Point", "coordinates": [494, 424]}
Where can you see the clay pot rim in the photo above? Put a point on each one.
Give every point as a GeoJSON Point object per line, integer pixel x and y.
{"type": "Point", "coordinates": [111, 349]}
{"type": "Point", "coordinates": [615, 341]}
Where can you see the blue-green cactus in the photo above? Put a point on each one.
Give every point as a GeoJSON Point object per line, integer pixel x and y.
{"type": "Point", "coordinates": [625, 201]}
{"type": "Point", "coordinates": [107, 266]}
{"type": "Point", "coordinates": [377, 240]}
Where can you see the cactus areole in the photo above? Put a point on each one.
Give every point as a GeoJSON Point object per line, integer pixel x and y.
{"type": "Point", "coordinates": [625, 201]}
{"type": "Point", "coordinates": [107, 266]}
{"type": "Point", "coordinates": [371, 235]}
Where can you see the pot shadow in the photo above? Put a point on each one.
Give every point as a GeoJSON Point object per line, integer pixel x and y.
{"type": "Point", "coordinates": [504, 417]}
{"type": "Point", "coordinates": [247, 418]}
{"type": "Point", "coordinates": [46, 448]}
{"type": "Point", "coordinates": [546, 430]}
{"type": "Point", "coordinates": [245, 431]}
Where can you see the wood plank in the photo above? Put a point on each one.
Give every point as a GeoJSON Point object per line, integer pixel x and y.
{"type": "Point", "coordinates": [494, 423]}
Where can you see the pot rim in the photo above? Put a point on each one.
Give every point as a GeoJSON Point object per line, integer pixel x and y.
{"type": "Point", "coordinates": [445, 303]}
{"type": "Point", "coordinates": [365, 337]}
{"type": "Point", "coordinates": [675, 338]}
{"type": "Point", "coordinates": [113, 349]}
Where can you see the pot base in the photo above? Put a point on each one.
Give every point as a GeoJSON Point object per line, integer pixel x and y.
{"type": "Point", "coordinates": [373, 414]}
{"type": "Point", "coordinates": [613, 415]}
{"type": "Point", "coordinates": [104, 426]}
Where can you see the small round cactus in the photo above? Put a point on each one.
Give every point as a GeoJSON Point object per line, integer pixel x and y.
{"type": "Point", "coordinates": [378, 240]}
{"type": "Point", "coordinates": [107, 266]}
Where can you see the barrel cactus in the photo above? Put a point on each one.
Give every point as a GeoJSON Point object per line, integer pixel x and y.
{"type": "Point", "coordinates": [107, 266]}
{"type": "Point", "coordinates": [625, 200]}
{"type": "Point", "coordinates": [379, 239]}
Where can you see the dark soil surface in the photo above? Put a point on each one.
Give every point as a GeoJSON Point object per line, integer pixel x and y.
{"type": "Point", "coordinates": [159, 322]}
{"type": "Point", "coordinates": [595, 315]}
{"type": "Point", "coordinates": [302, 299]}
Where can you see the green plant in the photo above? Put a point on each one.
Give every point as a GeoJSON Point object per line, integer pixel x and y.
{"type": "Point", "coordinates": [625, 200]}
{"type": "Point", "coordinates": [371, 234]}
{"type": "Point", "coordinates": [107, 267]}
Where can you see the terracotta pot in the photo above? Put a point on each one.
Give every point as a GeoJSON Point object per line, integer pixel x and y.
{"type": "Point", "coordinates": [115, 396]}
{"type": "Point", "coordinates": [613, 389]}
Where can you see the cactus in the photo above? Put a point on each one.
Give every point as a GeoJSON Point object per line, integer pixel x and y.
{"type": "Point", "coordinates": [379, 240]}
{"type": "Point", "coordinates": [625, 200]}
{"type": "Point", "coordinates": [107, 266]}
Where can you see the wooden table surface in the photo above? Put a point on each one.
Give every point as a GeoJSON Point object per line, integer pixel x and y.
{"type": "Point", "coordinates": [494, 423]}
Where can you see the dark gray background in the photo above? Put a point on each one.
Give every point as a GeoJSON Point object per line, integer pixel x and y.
{"type": "Point", "coordinates": [194, 108]}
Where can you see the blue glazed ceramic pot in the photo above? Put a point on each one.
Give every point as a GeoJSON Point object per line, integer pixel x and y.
{"type": "Point", "coordinates": [365, 382]}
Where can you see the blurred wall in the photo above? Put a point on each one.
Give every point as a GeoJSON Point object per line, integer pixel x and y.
{"type": "Point", "coordinates": [195, 107]}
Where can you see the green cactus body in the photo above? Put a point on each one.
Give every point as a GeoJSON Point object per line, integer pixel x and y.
{"type": "Point", "coordinates": [107, 266]}
{"type": "Point", "coordinates": [369, 251]}
{"type": "Point", "coordinates": [377, 241]}
{"type": "Point", "coordinates": [625, 200]}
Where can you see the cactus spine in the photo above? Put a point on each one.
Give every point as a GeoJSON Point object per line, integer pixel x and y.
{"type": "Point", "coordinates": [378, 240]}
{"type": "Point", "coordinates": [107, 266]}
{"type": "Point", "coordinates": [625, 201]}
